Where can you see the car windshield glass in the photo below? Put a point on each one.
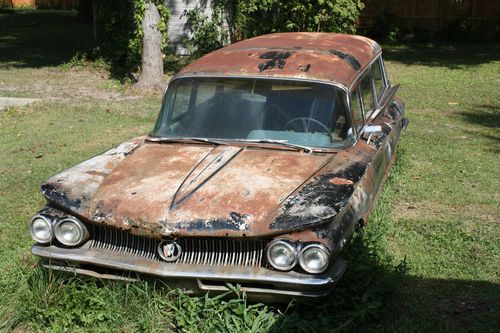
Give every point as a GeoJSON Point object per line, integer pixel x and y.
{"type": "Point", "coordinates": [266, 110]}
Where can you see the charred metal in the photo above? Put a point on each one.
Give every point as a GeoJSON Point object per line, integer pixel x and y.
{"type": "Point", "coordinates": [320, 200]}
{"type": "Point", "coordinates": [347, 57]}
{"type": "Point", "coordinates": [276, 59]}
{"type": "Point", "coordinates": [57, 196]}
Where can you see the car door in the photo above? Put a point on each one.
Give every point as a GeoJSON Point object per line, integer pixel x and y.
{"type": "Point", "coordinates": [372, 107]}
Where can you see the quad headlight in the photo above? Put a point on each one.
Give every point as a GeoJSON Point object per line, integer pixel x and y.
{"type": "Point", "coordinates": [314, 258]}
{"type": "Point", "coordinates": [70, 231]}
{"type": "Point", "coordinates": [41, 229]}
{"type": "Point", "coordinates": [284, 255]}
{"type": "Point", "coordinates": [281, 254]}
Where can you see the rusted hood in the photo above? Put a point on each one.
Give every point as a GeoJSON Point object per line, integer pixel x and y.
{"type": "Point", "coordinates": [195, 189]}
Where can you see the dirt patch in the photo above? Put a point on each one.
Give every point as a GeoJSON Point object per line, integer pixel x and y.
{"type": "Point", "coordinates": [21, 329]}
{"type": "Point", "coordinates": [12, 101]}
{"type": "Point", "coordinates": [64, 84]}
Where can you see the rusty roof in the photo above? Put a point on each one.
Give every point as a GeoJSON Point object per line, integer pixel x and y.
{"type": "Point", "coordinates": [330, 57]}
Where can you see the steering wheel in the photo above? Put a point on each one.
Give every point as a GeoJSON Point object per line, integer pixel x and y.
{"type": "Point", "coordinates": [306, 121]}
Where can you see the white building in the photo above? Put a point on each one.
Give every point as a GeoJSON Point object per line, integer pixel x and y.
{"type": "Point", "coordinates": [177, 23]}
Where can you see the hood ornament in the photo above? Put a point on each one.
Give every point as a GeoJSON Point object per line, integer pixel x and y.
{"type": "Point", "coordinates": [169, 250]}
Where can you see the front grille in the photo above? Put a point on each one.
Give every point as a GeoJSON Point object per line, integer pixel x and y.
{"type": "Point", "coordinates": [195, 251]}
{"type": "Point", "coordinates": [114, 240]}
{"type": "Point", "coordinates": [221, 252]}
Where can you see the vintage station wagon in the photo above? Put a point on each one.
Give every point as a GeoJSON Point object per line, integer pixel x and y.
{"type": "Point", "coordinates": [266, 156]}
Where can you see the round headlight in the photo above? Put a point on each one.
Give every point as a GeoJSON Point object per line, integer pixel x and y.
{"type": "Point", "coordinates": [281, 255]}
{"type": "Point", "coordinates": [41, 229]}
{"type": "Point", "coordinates": [314, 258]}
{"type": "Point", "coordinates": [71, 232]}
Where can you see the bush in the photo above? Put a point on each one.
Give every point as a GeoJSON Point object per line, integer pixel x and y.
{"type": "Point", "coordinates": [206, 36]}
{"type": "Point", "coordinates": [249, 18]}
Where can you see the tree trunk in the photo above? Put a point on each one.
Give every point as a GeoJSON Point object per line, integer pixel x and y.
{"type": "Point", "coordinates": [152, 62]}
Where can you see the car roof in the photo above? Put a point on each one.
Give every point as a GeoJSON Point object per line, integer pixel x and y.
{"type": "Point", "coordinates": [329, 57]}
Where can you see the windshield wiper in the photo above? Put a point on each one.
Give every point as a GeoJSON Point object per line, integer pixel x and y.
{"type": "Point", "coordinates": [278, 142]}
{"type": "Point", "coordinates": [185, 139]}
{"type": "Point", "coordinates": [217, 142]}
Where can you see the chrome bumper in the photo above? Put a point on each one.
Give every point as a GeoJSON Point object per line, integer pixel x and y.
{"type": "Point", "coordinates": [265, 284]}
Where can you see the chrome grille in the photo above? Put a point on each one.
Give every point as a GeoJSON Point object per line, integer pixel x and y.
{"type": "Point", "coordinates": [221, 251]}
{"type": "Point", "coordinates": [195, 251]}
{"type": "Point", "coordinates": [118, 241]}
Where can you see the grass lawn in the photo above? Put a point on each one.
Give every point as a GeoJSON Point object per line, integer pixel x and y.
{"type": "Point", "coordinates": [429, 260]}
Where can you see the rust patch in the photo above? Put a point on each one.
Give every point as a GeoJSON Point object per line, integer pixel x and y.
{"type": "Point", "coordinates": [200, 190]}
{"type": "Point", "coordinates": [341, 181]}
{"type": "Point", "coordinates": [203, 171]}
{"type": "Point", "coordinates": [218, 191]}
{"type": "Point", "coordinates": [74, 188]}
{"type": "Point", "coordinates": [304, 68]}
{"type": "Point", "coordinates": [317, 56]}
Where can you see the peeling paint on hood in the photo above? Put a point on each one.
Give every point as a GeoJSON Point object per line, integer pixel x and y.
{"type": "Point", "coordinates": [178, 188]}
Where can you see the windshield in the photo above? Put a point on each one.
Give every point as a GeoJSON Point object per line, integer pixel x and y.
{"type": "Point", "coordinates": [255, 110]}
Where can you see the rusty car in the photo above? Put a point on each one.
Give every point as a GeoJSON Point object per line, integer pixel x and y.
{"type": "Point", "coordinates": [265, 158]}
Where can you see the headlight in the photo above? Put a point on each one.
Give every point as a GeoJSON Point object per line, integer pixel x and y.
{"type": "Point", "coordinates": [41, 229]}
{"type": "Point", "coordinates": [281, 255]}
{"type": "Point", "coordinates": [314, 258]}
{"type": "Point", "coordinates": [71, 232]}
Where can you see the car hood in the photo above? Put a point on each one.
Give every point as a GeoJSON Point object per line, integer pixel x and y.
{"type": "Point", "coordinates": [199, 189]}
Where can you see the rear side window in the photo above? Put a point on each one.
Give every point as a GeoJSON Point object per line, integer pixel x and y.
{"type": "Point", "coordinates": [367, 95]}
{"type": "Point", "coordinates": [357, 111]}
{"type": "Point", "coordinates": [378, 77]}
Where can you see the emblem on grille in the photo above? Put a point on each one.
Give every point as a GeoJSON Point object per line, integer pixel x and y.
{"type": "Point", "coordinates": [169, 250]}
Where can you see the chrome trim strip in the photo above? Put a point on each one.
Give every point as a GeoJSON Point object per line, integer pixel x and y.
{"type": "Point", "coordinates": [266, 291]}
{"type": "Point", "coordinates": [182, 271]}
{"type": "Point", "coordinates": [76, 270]}
{"type": "Point", "coordinates": [363, 70]}
{"type": "Point", "coordinates": [260, 77]}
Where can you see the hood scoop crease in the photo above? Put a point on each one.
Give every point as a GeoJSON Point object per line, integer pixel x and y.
{"type": "Point", "coordinates": [208, 166]}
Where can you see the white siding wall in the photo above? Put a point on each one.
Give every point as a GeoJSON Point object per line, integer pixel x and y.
{"type": "Point", "coordinates": [177, 22]}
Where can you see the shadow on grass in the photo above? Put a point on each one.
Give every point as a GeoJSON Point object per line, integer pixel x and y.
{"type": "Point", "coordinates": [488, 116]}
{"type": "Point", "coordinates": [456, 56]}
{"type": "Point", "coordinates": [377, 297]}
{"type": "Point", "coordinates": [373, 296]}
{"type": "Point", "coordinates": [484, 115]}
{"type": "Point", "coordinates": [42, 38]}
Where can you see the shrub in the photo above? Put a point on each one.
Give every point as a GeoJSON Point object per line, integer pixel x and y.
{"type": "Point", "coordinates": [249, 18]}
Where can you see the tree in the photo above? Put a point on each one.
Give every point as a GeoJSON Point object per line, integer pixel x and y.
{"type": "Point", "coordinates": [151, 76]}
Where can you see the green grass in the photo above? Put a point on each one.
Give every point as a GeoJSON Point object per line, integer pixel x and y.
{"type": "Point", "coordinates": [427, 261]}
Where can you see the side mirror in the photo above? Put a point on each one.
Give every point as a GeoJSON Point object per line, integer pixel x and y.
{"type": "Point", "coordinates": [372, 131]}
{"type": "Point", "coordinates": [385, 128]}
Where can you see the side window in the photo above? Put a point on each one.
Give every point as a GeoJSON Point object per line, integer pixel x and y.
{"type": "Point", "coordinates": [367, 95]}
{"type": "Point", "coordinates": [357, 111]}
{"type": "Point", "coordinates": [378, 77]}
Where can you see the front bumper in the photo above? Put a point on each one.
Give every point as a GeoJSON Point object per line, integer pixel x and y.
{"type": "Point", "coordinates": [259, 283]}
